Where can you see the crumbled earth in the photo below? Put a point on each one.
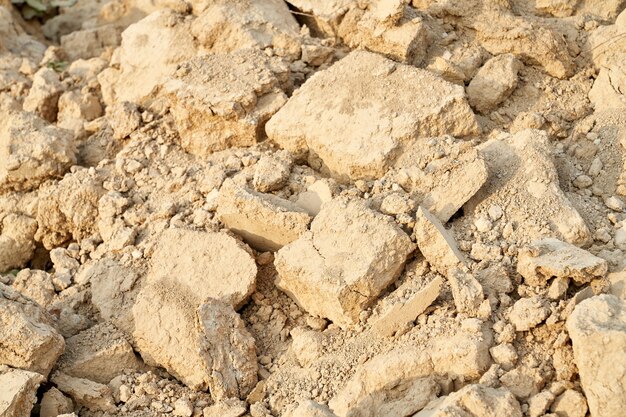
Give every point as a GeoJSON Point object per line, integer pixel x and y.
{"type": "Point", "coordinates": [329, 208]}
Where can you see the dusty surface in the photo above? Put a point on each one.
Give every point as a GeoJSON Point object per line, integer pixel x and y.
{"type": "Point", "coordinates": [330, 208]}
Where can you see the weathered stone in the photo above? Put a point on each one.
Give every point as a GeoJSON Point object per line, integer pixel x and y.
{"type": "Point", "coordinates": [597, 328]}
{"type": "Point", "coordinates": [570, 404]}
{"type": "Point", "coordinates": [308, 408]}
{"type": "Point", "coordinates": [266, 222]}
{"type": "Point", "coordinates": [18, 391]}
{"type": "Point", "coordinates": [339, 268]}
{"type": "Point", "coordinates": [494, 82]}
{"type": "Point", "coordinates": [436, 243]}
{"type": "Point", "coordinates": [17, 243]}
{"type": "Point", "coordinates": [323, 17]}
{"type": "Point", "coordinates": [209, 265]}
{"type": "Point", "coordinates": [31, 151]}
{"type": "Point", "coordinates": [523, 382]}
{"type": "Point", "coordinates": [54, 403]}
{"type": "Point", "coordinates": [474, 401]}
{"type": "Point", "coordinates": [391, 104]}
{"type": "Point", "coordinates": [271, 172]}
{"type": "Point", "coordinates": [529, 312]}
{"type": "Point", "coordinates": [89, 394]}
{"type": "Point", "coordinates": [551, 258]}
{"type": "Point", "coordinates": [99, 354]}
{"type": "Point", "coordinates": [92, 42]}
{"type": "Point", "coordinates": [223, 100]}
{"type": "Point", "coordinates": [43, 97]}
{"type": "Point", "coordinates": [27, 338]}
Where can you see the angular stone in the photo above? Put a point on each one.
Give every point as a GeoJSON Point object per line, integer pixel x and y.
{"type": "Point", "coordinates": [436, 243]}
{"type": "Point", "coordinates": [474, 401]}
{"type": "Point", "coordinates": [524, 183]}
{"type": "Point", "coordinates": [523, 381]}
{"type": "Point", "coordinates": [207, 264]}
{"type": "Point", "coordinates": [17, 243]}
{"type": "Point", "coordinates": [43, 97]}
{"type": "Point", "coordinates": [32, 151]}
{"type": "Point", "coordinates": [402, 37]}
{"type": "Point", "coordinates": [570, 404]}
{"type": "Point", "coordinates": [391, 104]}
{"type": "Point", "coordinates": [464, 354]}
{"type": "Point", "coordinates": [89, 394]}
{"type": "Point", "coordinates": [323, 17]}
{"type": "Point", "coordinates": [339, 268]}
{"type": "Point", "coordinates": [308, 408]}
{"type": "Point", "coordinates": [529, 312]}
{"type": "Point", "coordinates": [597, 328]}
{"type": "Point", "coordinates": [265, 222]}
{"type": "Point", "coordinates": [395, 384]}
{"type": "Point", "coordinates": [223, 100]}
{"type": "Point", "coordinates": [18, 391]}
{"type": "Point", "coordinates": [54, 403]}
{"type": "Point", "coordinates": [205, 347]}
{"type": "Point", "coordinates": [550, 258]}
{"type": "Point", "coordinates": [402, 310]}
{"type": "Point", "coordinates": [27, 338]}
{"type": "Point", "coordinates": [494, 82]}
{"type": "Point", "coordinates": [99, 354]}
{"type": "Point", "coordinates": [466, 290]}
{"type": "Point", "coordinates": [92, 42]}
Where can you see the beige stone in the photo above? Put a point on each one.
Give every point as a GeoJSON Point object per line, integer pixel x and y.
{"type": "Point", "coordinates": [308, 408]}
{"type": "Point", "coordinates": [391, 104]}
{"type": "Point", "coordinates": [597, 328]}
{"type": "Point", "coordinates": [227, 408]}
{"type": "Point", "coordinates": [464, 354]}
{"type": "Point", "coordinates": [548, 258]}
{"type": "Point", "coordinates": [436, 243]}
{"type": "Point", "coordinates": [223, 100]}
{"type": "Point", "coordinates": [323, 17]}
{"type": "Point", "coordinates": [529, 312]}
{"type": "Point", "coordinates": [265, 221]}
{"type": "Point", "coordinates": [27, 338]}
{"type": "Point", "coordinates": [494, 82]}
{"type": "Point", "coordinates": [474, 400]}
{"type": "Point", "coordinates": [99, 354]}
{"type": "Point", "coordinates": [18, 391]}
{"type": "Point", "coordinates": [570, 404]}
{"type": "Point", "coordinates": [207, 264]}
{"type": "Point", "coordinates": [315, 195]}
{"type": "Point", "coordinates": [89, 394]}
{"type": "Point", "coordinates": [92, 42]}
{"type": "Point", "coordinates": [523, 381]}
{"type": "Point", "coordinates": [54, 403]}
{"type": "Point", "coordinates": [339, 268]}
{"type": "Point", "coordinates": [32, 151]}
{"type": "Point", "coordinates": [17, 243]}
{"type": "Point", "coordinates": [43, 97]}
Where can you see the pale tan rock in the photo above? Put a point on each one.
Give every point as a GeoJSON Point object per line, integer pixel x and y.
{"type": "Point", "coordinates": [525, 184]}
{"type": "Point", "coordinates": [307, 346]}
{"type": "Point", "coordinates": [43, 97]}
{"type": "Point", "coordinates": [339, 268]}
{"type": "Point", "coordinates": [548, 258]}
{"type": "Point", "coordinates": [27, 338]}
{"type": "Point", "coordinates": [466, 290]}
{"type": "Point", "coordinates": [223, 100]}
{"type": "Point", "coordinates": [323, 17]}
{"type": "Point", "coordinates": [18, 391]}
{"type": "Point", "coordinates": [436, 243]}
{"type": "Point", "coordinates": [92, 42]}
{"type": "Point", "coordinates": [205, 347]}
{"type": "Point", "coordinates": [17, 241]}
{"type": "Point", "coordinates": [150, 51]}
{"type": "Point", "coordinates": [395, 384]}
{"type": "Point", "coordinates": [264, 221]}
{"type": "Point", "coordinates": [504, 355]}
{"type": "Point", "coordinates": [558, 8]}
{"type": "Point", "coordinates": [523, 382]}
{"type": "Point", "coordinates": [89, 394]}
{"type": "Point", "coordinates": [540, 403]}
{"type": "Point", "coordinates": [464, 354]}
{"type": "Point", "coordinates": [597, 328]}
{"type": "Point", "coordinates": [35, 284]}
{"type": "Point", "coordinates": [570, 404]}
{"type": "Point", "coordinates": [494, 82]}
{"type": "Point", "coordinates": [608, 89]}
{"type": "Point", "coordinates": [502, 33]}
{"type": "Point", "coordinates": [618, 284]}
{"type": "Point", "coordinates": [315, 195]}
{"type": "Point", "coordinates": [398, 33]}
{"type": "Point", "coordinates": [226, 408]}
{"type": "Point", "coordinates": [73, 105]}
{"type": "Point", "coordinates": [227, 26]}
{"type": "Point", "coordinates": [308, 408]}
{"type": "Point", "coordinates": [32, 151]}
{"type": "Point", "coordinates": [529, 312]}
{"type": "Point", "coordinates": [271, 172]}
{"type": "Point", "coordinates": [124, 118]}
{"type": "Point", "coordinates": [99, 354]}
{"type": "Point", "coordinates": [54, 403]}
{"type": "Point", "coordinates": [392, 104]}
{"type": "Point", "coordinates": [207, 264]}
{"type": "Point", "coordinates": [406, 309]}
{"type": "Point", "coordinates": [440, 174]}
{"type": "Point", "coordinates": [474, 400]}
{"type": "Point", "coordinates": [69, 209]}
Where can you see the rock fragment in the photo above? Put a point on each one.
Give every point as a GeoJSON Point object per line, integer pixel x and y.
{"type": "Point", "coordinates": [361, 141]}
{"type": "Point", "coordinates": [597, 328]}
{"type": "Point", "coordinates": [315, 195]}
{"type": "Point", "coordinates": [92, 42]}
{"type": "Point", "coordinates": [523, 381]}
{"type": "Point", "coordinates": [524, 182]}
{"type": "Point", "coordinates": [494, 82]}
{"type": "Point", "coordinates": [527, 313]}
{"type": "Point", "coordinates": [271, 173]}
{"type": "Point", "coordinates": [570, 404]}
{"type": "Point", "coordinates": [399, 34]}
{"type": "Point", "coordinates": [351, 254]}
{"type": "Point", "coordinates": [17, 243]}
{"type": "Point", "coordinates": [308, 408]}
{"type": "Point", "coordinates": [19, 391]}
{"type": "Point", "coordinates": [89, 394]}
{"type": "Point", "coordinates": [474, 400]}
{"type": "Point", "coordinates": [265, 222]}
{"type": "Point", "coordinates": [99, 354]}
{"type": "Point", "coordinates": [223, 100]}
{"type": "Point", "coordinates": [43, 97]}
{"type": "Point", "coordinates": [54, 403]}
{"type": "Point", "coordinates": [323, 17]}
{"type": "Point", "coordinates": [396, 384]}
{"type": "Point", "coordinates": [551, 258]}
{"type": "Point", "coordinates": [32, 151]}
{"type": "Point", "coordinates": [27, 338]}
{"type": "Point", "coordinates": [208, 264]}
